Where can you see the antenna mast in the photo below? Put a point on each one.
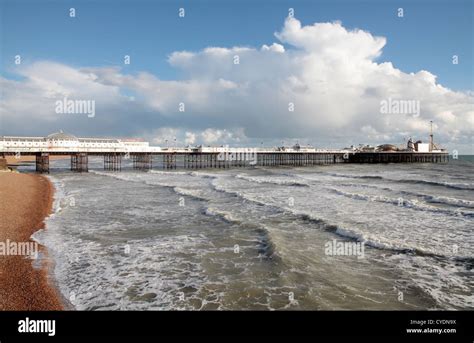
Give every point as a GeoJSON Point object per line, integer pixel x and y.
{"type": "Point", "coordinates": [431, 136]}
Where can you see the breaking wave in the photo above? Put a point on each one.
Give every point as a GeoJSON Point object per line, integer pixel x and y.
{"type": "Point", "coordinates": [451, 185]}
{"type": "Point", "coordinates": [414, 204]}
{"type": "Point", "coordinates": [272, 180]}
{"type": "Point", "coordinates": [351, 233]}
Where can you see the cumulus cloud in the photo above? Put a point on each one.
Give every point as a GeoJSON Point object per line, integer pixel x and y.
{"type": "Point", "coordinates": [209, 136]}
{"type": "Point", "coordinates": [321, 83]}
{"type": "Point", "coordinates": [331, 39]}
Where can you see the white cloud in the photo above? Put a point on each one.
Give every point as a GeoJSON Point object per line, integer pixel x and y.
{"type": "Point", "coordinates": [331, 40]}
{"type": "Point", "coordinates": [190, 138]}
{"type": "Point", "coordinates": [208, 136]}
{"type": "Point", "coordinates": [275, 47]}
{"type": "Point", "coordinates": [328, 72]}
{"type": "Point", "coordinates": [215, 136]}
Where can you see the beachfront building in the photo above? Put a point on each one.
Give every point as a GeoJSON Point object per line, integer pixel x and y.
{"type": "Point", "coordinates": [61, 141]}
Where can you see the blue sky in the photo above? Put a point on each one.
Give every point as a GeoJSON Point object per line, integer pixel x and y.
{"type": "Point", "coordinates": [103, 31]}
{"type": "Point", "coordinates": [335, 61]}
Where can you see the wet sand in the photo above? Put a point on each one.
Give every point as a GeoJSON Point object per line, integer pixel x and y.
{"type": "Point", "coordinates": [25, 201]}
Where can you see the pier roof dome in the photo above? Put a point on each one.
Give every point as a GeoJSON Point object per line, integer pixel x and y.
{"type": "Point", "coordinates": [387, 147]}
{"type": "Point", "coordinates": [62, 136]}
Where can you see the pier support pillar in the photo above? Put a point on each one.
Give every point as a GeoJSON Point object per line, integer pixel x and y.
{"type": "Point", "coordinates": [79, 162]}
{"type": "Point", "coordinates": [142, 161]}
{"type": "Point", "coordinates": [113, 162]}
{"type": "Point", "coordinates": [42, 162]}
{"type": "Point", "coordinates": [169, 161]}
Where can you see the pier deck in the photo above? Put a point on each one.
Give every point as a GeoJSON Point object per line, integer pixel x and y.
{"type": "Point", "coordinates": [145, 157]}
{"type": "Point", "coordinates": [179, 159]}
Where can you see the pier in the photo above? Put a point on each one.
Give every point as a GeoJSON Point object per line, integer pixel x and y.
{"type": "Point", "coordinates": [145, 157]}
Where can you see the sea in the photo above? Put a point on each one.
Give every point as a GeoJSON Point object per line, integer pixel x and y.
{"type": "Point", "coordinates": [264, 238]}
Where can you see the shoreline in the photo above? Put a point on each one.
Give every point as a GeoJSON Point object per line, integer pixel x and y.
{"type": "Point", "coordinates": [26, 200]}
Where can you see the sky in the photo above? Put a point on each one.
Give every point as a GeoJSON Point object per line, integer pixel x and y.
{"type": "Point", "coordinates": [316, 76]}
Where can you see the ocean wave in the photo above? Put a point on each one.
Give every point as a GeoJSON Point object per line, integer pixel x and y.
{"type": "Point", "coordinates": [413, 204]}
{"type": "Point", "coordinates": [452, 185]}
{"type": "Point", "coordinates": [111, 174]}
{"type": "Point", "coordinates": [187, 173]}
{"type": "Point", "coordinates": [203, 175]}
{"type": "Point", "coordinates": [227, 216]}
{"type": "Point", "coordinates": [375, 177]}
{"type": "Point", "coordinates": [189, 192]}
{"type": "Point", "coordinates": [265, 242]}
{"type": "Point", "coordinates": [59, 195]}
{"type": "Point", "coordinates": [364, 185]}
{"type": "Point", "coordinates": [216, 183]}
{"type": "Point", "coordinates": [449, 275]}
{"type": "Point", "coordinates": [458, 186]}
{"type": "Point", "coordinates": [366, 238]}
{"type": "Point", "coordinates": [223, 189]}
{"type": "Point", "coordinates": [271, 180]}
{"type": "Point", "coordinates": [351, 233]}
{"type": "Point", "coordinates": [179, 190]}
{"type": "Point", "coordinates": [163, 172]}
{"type": "Point", "coordinates": [438, 199]}
{"type": "Point", "coordinates": [434, 199]}
{"type": "Point", "coordinates": [379, 242]}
